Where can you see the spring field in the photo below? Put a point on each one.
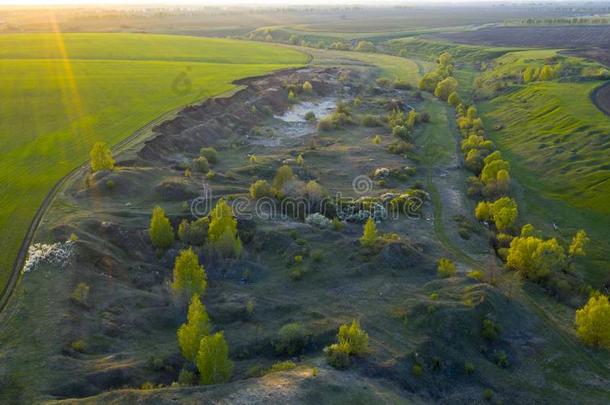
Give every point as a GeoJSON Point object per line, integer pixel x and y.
{"type": "Point", "coordinates": [61, 93]}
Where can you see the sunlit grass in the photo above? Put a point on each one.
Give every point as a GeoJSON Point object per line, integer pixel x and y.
{"type": "Point", "coordinates": [61, 93]}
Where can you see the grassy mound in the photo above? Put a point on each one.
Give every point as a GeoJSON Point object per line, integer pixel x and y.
{"type": "Point", "coordinates": [62, 93]}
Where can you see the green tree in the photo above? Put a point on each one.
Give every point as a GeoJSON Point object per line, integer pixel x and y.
{"type": "Point", "coordinates": [160, 231]}
{"type": "Point", "coordinates": [101, 157]}
{"type": "Point", "coordinates": [292, 98]}
{"type": "Point", "coordinates": [593, 321]}
{"type": "Point", "coordinates": [196, 327]}
{"type": "Point", "coordinates": [353, 338]}
{"type": "Point", "coordinates": [445, 59]}
{"type": "Point", "coordinates": [502, 180]}
{"type": "Point", "coordinates": [210, 154]}
{"type": "Point", "coordinates": [429, 81]}
{"type": "Point", "coordinates": [579, 241]}
{"type": "Point", "coordinates": [535, 258]}
{"type": "Point", "coordinates": [528, 230]}
{"type": "Point", "coordinates": [453, 99]}
{"type": "Point", "coordinates": [222, 231]}
{"type": "Point", "coordinates": [260, 189]}
{"type": "Point", "coordinates": [189, 276]}
{"type": "Point", "coordinates": [282, 176]}
{"type": "Point", "coordinates": [213, 361]}
{"type": "Point", "coordinates": [369, 235]}
{"type": "Point", "coordinates": [307, 87]}
{"type": "Point", "coordinates": [530, 74]}
{"type": "Point", "coordinates": [504, 212]}
{"type": "Point", "coordinates": [489, 174]}
{"type": "Point", "coordinates": [445, 87]}
{"type": "Point", "coordinates": [483, 211]}
{"type": "Point", "coordinates": [546, 73]}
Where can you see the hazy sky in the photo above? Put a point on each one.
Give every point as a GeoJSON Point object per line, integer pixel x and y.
{"type": "Point", "coordinates": [248, 2]}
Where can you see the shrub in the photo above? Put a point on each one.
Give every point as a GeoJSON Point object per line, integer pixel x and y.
{"type": "Point", "coordinates": [310, 116]}
{"type": "Point", "coordinates": [282, 176]}
{"type": "Point", "coordinates": [371, 121]}
{"type": "Point", "coordinates": [326, 124]}
{"type": "Point", "coordinates": [186, 378]}
{"type": "Point", "coordinates": [401, 132]}
{"type": "Point", "coordinates": [222, 231]}
{"type": "Point", "coordinates": [79, 346]}
{"type": "Point", "coordinates": [365, 46]}
{"type": "Point", "coordinates": [196, 327]}
{"type": "Point", "coordinates": [260, 189]}
{"type": "Point", "coordinates": [160, 231]}
{"type": "Point", "coordinates": [291, 339]}
{"type": "Point", "coordinates": [213, 360]}
{"type": "Point", "coordinates": [283, 366]}
{"type": "Point", "coordinates": [337, 355]}
{"type": "Point", "coordinates": [475, 275]}
{"type": "Point", "coordinates": [577, 246]}
{"type": "Point", "coordinates": [417, 370]}
{"type": "Point", "coordinates": [369, 235]}
{"type": "Point", "coordinates": [318, 220]}
{"type": "Point", "coordinates": [193, 233]}
{"type": "Point", "coordinates": [80, 294]}
{"type": "Point", "coordinates": [300, 159]}
{"type": "Point", "coordinates": [307, 87]}
{"type": "Point", "coordinates": [101, 157]}
{"type": "Point", "coordinates": [201, 164]}
{"type": "Point", "coordinates": [487, 394]}
{"type": "Point", "coordinates": [501, 358]}
{"type": "Point", "coordinates": [446, 268]}
{"type": "Point", "coordinates": [468, 368]}
{"type": "Point", "coordinates": [453, 99]}
{"type": "Point", "coordinates": [210, 154]}
{"type": "Point", "coordinates": [292, 98]}
{"type": "Point", "coordinates": [189, 276]}
{"type": "Point", "coordinates": [490, 330]}
{"type": "Point", "coordinates": [593, 321]}
{"type": "Point", "coordinates": [376, 140]}
{"type": "Point", "coordinates": [355, 339]}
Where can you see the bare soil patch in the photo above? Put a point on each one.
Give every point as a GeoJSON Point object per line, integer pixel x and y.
{"type": "Point", "coordinates": [548, 37]}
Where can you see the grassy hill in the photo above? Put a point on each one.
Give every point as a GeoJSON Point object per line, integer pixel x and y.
{"type": "Point", "coordinates": [555, 129]}
{"type": "Point", "coordinates": [61, 93]}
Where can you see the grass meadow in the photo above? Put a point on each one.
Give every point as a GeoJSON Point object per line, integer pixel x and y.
{"type": "Point", "coordinates": [61, 93]}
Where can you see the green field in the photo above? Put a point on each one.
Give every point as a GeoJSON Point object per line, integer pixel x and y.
{"type": "Point", "coordinates": [61, 93]}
